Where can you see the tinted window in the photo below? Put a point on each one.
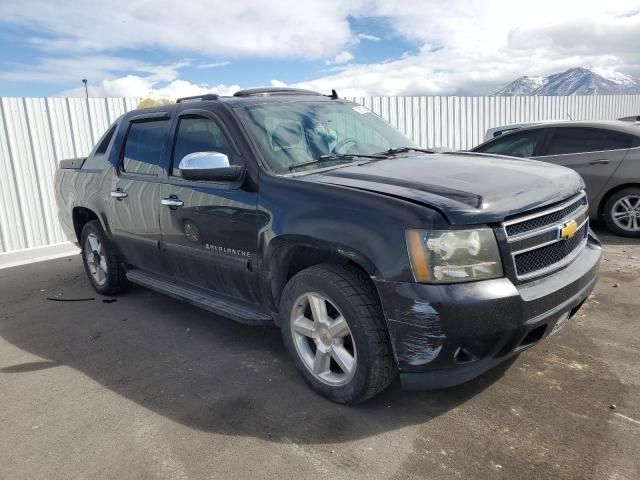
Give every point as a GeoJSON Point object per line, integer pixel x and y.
{"type": "Point", "coordinates": [98, 160]}
{"type": "Point", "coordinates": [581, 140]}
{"type": "Point", "coordinates": [143, 147]}
{"type": "Point", "coordinates": [518, 144]}
{"type": "Point", "coordinates": [199, 134]}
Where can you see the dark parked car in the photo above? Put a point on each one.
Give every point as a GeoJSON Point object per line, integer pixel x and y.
{"type": "Point", "coordinates": [605, 154]}
{"type": "Point", "coordinates": [372, 256]}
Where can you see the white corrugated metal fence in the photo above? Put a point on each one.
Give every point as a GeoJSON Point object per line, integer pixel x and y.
{"type": "Point", "coordinates": [36, 133]}
{"type": "Point", "coordinates": [461, 122]}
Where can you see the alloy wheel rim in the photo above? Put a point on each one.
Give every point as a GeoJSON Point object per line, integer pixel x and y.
{"type": "Point", "coordinates": [96, 259]}
{"type": "Point", "coordinates": [626, 213]}
{"type": "Point", "coordinates": [323, 339]}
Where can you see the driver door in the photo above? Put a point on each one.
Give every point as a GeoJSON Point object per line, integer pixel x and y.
{"type": "Point", "coordinates": [209, 228]}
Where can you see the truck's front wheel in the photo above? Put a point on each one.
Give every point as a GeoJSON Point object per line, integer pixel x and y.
{"type": "Point", "coordinates": [101, 261]}
{"type": "Point", "coordinates": [334, 330]}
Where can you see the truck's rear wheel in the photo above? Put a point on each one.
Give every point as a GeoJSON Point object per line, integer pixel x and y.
{"type": "Point", "coordinates": [334, 330]}
{"type": "Point", "coordinates": [101, 261]}
{"type": "Point", "coordinates": [622, 212]}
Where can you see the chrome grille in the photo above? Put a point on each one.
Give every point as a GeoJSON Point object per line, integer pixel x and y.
{"type": "Point", "coordinates": [545, 219]}
{"type": "Point", "coordinates": [549, 255]}
{"type": "Point", "coordinates": [535, 242]}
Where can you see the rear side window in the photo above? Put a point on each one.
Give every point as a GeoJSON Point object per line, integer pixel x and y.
{"type": "Point", "coordinates": [582, 140]}
{"type": "Point", "coordinates": [517, 144]}
{"type": "Point", "coordinates": [199, 134]}
{"type": "Point", "coordinates": [98, 160]}
{"type": "Point", "coordinates": [143, 147]}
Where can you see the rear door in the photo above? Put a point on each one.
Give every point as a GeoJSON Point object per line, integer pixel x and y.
{"type": "Point", "coordinates": [595, 153]}
{"type": "Point", "coordinates": [135, 191]}
{"type": "Point", "coordinates": [210, 240]}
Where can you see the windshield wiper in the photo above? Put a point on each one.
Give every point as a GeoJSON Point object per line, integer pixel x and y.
{"type": "Point", "coordinates": [336, 156]}
{"type": "Point", "coordinates": [393, 151]}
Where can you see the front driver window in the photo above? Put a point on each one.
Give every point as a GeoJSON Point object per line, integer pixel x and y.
{"type": "Point", "coordinates": [518, 144]}
{"type": "Point", "coordinates": [199, 134]}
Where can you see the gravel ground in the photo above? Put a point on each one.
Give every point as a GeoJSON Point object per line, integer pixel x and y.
{"type": "Point", "coordinates": [148, 387]}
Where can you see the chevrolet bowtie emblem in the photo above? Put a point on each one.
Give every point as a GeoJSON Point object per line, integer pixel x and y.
{"type": "Point", "coordinates": [568, 230]}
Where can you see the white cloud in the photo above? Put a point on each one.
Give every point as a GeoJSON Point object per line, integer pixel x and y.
{"type": "Point", "coordinates": [213, 65]}
{"type": "Point", "coordinates": [182, 88]}
{"type": "Point", "coordinates": [475, 48]}
{"type": "Point", "coordinates": [366, 36]}
{"type": "Point", "coordinates": [145, 79]}
{"type": "Point", "coordinates": [72, 69]}
{"type": "Point", "coordinates": [462, 47]}
{"type": "Point", "coordinates": [136, 86]}
{"type": "Point", "coordinates": [282, 28]}
{"type": "Point", "coordinates": [342, 57]}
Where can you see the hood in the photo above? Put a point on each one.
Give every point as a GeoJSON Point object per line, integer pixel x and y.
{"type": "Point", "coordinates": [466, 188]}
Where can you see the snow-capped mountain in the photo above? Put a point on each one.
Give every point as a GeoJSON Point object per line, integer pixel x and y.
{"type": "Point", "coordinates": [575, 81]}
{"type": "Point", "coordinates": [521, 86]}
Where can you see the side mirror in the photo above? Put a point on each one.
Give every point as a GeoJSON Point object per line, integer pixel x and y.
{"type": "Point", "coordinates": [209, 166]}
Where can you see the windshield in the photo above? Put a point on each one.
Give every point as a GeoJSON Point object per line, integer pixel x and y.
{"type": "Point", "coordinates": [300, 133]}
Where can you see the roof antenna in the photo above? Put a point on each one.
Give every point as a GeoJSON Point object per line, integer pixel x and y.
{"type": "Point", "coordinates": [334, 94]}
{"type": "Point", "coordinates": [569, 115]}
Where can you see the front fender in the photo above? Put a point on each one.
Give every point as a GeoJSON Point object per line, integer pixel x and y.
{"type": "Point", "coordinates": [365, 227]}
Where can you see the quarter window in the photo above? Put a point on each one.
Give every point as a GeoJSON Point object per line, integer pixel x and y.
{"type": "Point", "coordinates": [98, 160]}
{"type": "Point", "coordinates": [581, 140]}
{"type": "Point", "coordinates": [199, 134]}
{"type": "Point", "coordinates": [143, 147]}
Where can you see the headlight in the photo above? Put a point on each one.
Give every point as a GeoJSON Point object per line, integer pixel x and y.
{"type": "Point", "coordinates": [449, 256]}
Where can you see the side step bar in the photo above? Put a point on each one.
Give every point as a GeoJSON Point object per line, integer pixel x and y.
{"type": "Point", "coordinates": [219, 305]}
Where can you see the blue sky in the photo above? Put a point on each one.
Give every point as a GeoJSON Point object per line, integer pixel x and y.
{"type": "Point", "coordinates": [360, 47]}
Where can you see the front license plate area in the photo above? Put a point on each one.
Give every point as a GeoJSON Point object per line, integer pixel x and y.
{"type": "Point", "coordinates": [560, 324]}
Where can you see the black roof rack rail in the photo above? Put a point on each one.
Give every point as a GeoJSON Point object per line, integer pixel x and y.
{"type": "Point", "coordinates": [267, 91]}
{"type": "Point", "coordinates": [205, 97]}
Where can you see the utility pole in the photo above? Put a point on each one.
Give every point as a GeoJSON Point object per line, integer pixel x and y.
{"type": "Point", "coordinates": [86, 90]}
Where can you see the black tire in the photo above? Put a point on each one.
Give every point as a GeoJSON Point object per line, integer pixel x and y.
{"type": "Point", "coordinates": [355, 297]}
{"type": "Point", "coordinates": [608, 212]}
{"type": "Point", "coordinates": [116, 280]}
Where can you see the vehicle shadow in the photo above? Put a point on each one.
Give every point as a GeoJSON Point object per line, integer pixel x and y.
{"type": "Point", "coordinates": [205, 372]}
{"type": "Point", "coordinates": [609, 238]}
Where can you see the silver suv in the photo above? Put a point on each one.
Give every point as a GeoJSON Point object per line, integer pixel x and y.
{"type": "Point", "coordinates": [606, 154]}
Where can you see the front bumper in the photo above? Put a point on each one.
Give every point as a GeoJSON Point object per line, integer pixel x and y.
{"type": "Point", "coordinates": [444, 335]}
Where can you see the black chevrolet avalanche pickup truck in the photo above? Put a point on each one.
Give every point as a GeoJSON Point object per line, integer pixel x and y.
{"type": "Point", "coordinates": [373, 256]}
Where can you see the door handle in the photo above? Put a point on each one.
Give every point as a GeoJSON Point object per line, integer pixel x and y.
{"type": "Point", "coordinates": [599, 162]}
{"type": "Point", "coordinates": [119, 194]}
{"type": "Point", "coordinates": [172, 202]}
